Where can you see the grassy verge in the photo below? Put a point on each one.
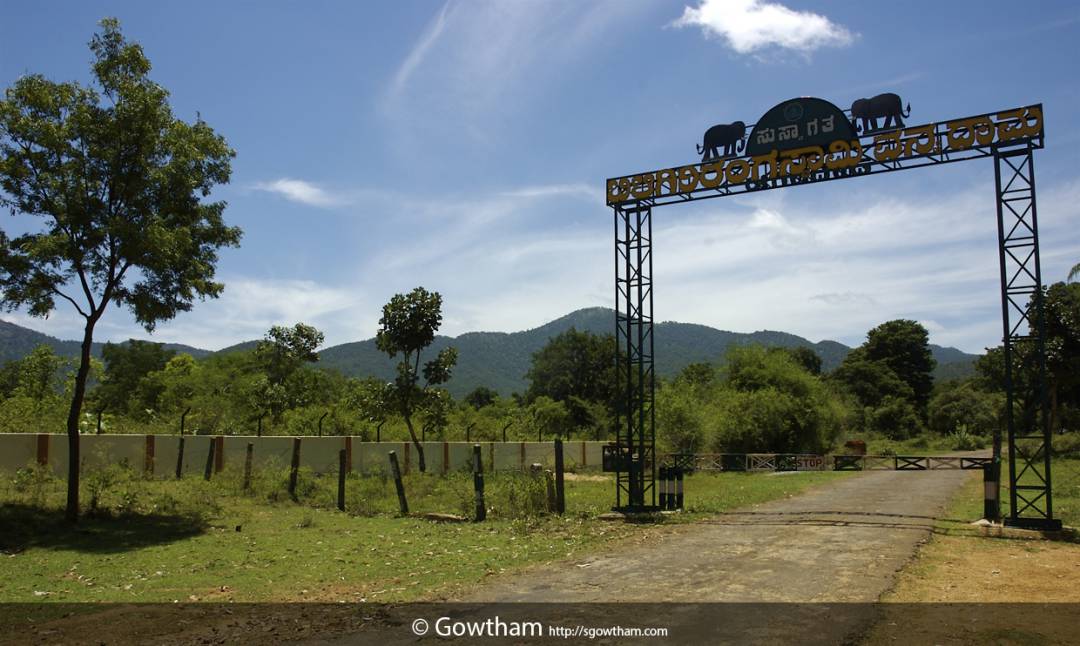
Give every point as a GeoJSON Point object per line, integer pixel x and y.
{"type": "Point", "coordinates": [963, 588]}
{"type": "Point", "coordinates": [164, 541]}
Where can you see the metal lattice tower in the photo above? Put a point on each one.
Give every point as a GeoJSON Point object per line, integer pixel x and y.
{"type": "Point", "coordinates": [634, 418]}
{"type": "Point", "coordinates": [1027, 400]}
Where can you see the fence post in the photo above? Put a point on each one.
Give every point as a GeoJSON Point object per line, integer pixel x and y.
{"type": "Point", "coordinates": [210, 459]}
{"type": "Point", "coordinates": [247, 465]}
{"type": "Point", "coordinates": [180, 459]}
{"type": "Point", "coordinates": [402, 503]}
{"type": "Point", "coordinates": [560, 491]}
{"type": "Point", "coordinates": [341, 481]}
{"type": "Point", "coordinates": [678, 488]}
{"type": "Point", "coordinates": [478, 483]}
{"type": "Point", "coordinates": [991, 503]}
{"type": "Point", "coordinates": [294, 467]}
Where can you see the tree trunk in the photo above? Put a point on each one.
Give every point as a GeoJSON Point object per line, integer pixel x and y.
{"type": "Point", "coordinates": [416, 443]}
{"type": "Point", "coordinates": [72, 510]}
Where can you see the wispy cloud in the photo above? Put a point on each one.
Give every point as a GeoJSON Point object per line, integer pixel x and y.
{"type": "Point", "coordinates": [302, 192]}
{"type": "Point", "coordinates": [749, 26]}
{"type": "Point", "coordinates": [584, 191]}
{"type": "Point", "coordinates": [419, 51]}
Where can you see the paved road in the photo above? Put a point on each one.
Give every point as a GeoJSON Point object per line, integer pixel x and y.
{"type": "Point", "coordinates": [808, 557]}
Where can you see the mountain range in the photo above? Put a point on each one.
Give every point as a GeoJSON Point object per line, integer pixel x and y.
{"type": "Point", "coordinates": [499, 360]}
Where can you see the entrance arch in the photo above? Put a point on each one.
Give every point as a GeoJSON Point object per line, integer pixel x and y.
{"type": "Point", "coordinates": [806, 141]}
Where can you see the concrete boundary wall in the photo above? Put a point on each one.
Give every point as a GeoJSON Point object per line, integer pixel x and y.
{"type": "Point", "coordinates": [158, 454]}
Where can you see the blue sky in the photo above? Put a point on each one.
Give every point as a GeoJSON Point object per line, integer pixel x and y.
{"type": "Point", "coordinates": [463, 146]}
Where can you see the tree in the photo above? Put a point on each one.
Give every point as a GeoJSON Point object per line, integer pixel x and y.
{"type": "Point", "coordinates": [126, 365]}
{"type": "Point", "coordinates": [1073, 273]}
{"type": "Point", "coordinates": [373, 399]}
{"type": "Point", "coordinates": [119, 182]}
{"type": "Point", "coordinates": [407, 327]}
{"type": "Point", "coordinates": [280, 354]}
{"type": "Point", "coordinates": [903, 346]}
{"type": "Point", "coordinates": [481, 396]}
{"type": "Point", "coordinates": [805, 357]}
{"type": "Point", "coordinates": [575, 368]}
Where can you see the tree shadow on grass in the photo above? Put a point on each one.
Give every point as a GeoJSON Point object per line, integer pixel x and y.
{"type": "Point", "coordinates": [25, 526]}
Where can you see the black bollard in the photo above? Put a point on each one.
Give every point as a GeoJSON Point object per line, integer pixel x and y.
{"type": "Point", "coordinates": [991, 502]}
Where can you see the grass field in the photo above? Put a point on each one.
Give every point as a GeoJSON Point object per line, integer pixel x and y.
{"type": "Point", "coordinates": [160, 541]}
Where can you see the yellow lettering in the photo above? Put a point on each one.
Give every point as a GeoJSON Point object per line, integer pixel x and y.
{"type": "Point", "coordinates": [920, 141]}
{"type": "Point", "coordinates": [618, 190]}
{"type": "Point", "coordinates": [711, 175]}
{"type": "Point", "coordinates": [644, 185]}
{"type": "Point", "coordinates": [688, 179]}
{"type": "Point", "coordinates": [737, 171]}
{"type": "Point", "coordinates": [887, 146]}
{"type": "Point", "coordinates": [770, 160]}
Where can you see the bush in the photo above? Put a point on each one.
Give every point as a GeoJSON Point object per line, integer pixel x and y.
{"type": "Point", "coordinates": [895, 418]}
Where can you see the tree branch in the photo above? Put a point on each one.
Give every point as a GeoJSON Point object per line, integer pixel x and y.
{"type": "Point", "coordinates": [70, 300]}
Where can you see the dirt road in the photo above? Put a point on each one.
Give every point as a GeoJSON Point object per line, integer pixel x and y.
{"type": "Point", "coordinates": [806, 566]}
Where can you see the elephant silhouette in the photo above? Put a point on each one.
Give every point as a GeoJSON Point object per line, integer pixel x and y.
{"type": "Point", "coordinates": [727, 135]}
{"type": "Point", "coordinates": [886, 105]}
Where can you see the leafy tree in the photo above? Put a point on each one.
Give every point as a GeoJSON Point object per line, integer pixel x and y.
{"type": "Point", "coordinates": [771, 403]}
{"type": "Point", "coordinates": [119, 182]}
{"type": "Point", "coordinates": [679, 424]}
{"type": "Point", "coordinates": [38, 376]}
{"type": "Point", "coordinates": [577, 369]}
{"type": "Point", "coordinates": [280, 355]}
{"type": "Point", "coordinates": [373, 399]}
{"type": "Point", "coordinates": [698, 374]}
{"type": "Point", "coordinates": [895, 418]}
{"type": "Point", "coordinates": [1073, 273]}
{"type": "Point", "coordinates": [962, 405]}
{"type": "Point", "coordinates": [126, 365]}
{"type": "Point", "coordinates": [903, 346]}
{"type": "Point", "coordinates": [481, 396]}
{"type": "Point", "coordinates": [551, 417]}
{"type": "Point", "coordinates": [407, 327]}
{"type": "Point", "coordinates": [805, 357]}
{"type": "Point", "coordinates": [869, 381]}
{"type": "Point", "coordinates": [1061, 310]}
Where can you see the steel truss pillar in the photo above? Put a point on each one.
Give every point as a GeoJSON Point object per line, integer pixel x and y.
{"type": "Point", "coordinates": [1027, 399]}
{"type": "Point", "coordinates": [635, 419]}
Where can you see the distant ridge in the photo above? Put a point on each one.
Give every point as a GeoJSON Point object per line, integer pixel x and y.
{"type": "Point", "coordinates": [16, 342]}
{"type": "Point", "coordinates": [499, 360]}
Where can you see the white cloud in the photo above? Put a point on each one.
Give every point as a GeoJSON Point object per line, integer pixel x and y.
{"type": "Point", "coordinates": [588, 192]}
{"type": "Point", "coordinates": [419, 51]}
{"type": "Point", "coordinates": [749, 26]}
{"type": "Point", "coordinates": [297, 190]}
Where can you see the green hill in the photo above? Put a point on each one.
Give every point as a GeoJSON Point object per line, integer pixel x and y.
{"type": "Point", "coordinates": [499, 360]}
{"type": "Point", "coordinates": [16, 342]}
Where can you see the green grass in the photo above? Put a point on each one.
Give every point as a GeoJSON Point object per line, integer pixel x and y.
{"type": "Point", "coordinates": [160, 541]}
{"type": "Point", "coordinates": [967, 505]}
{"type": "Point", "coordinates": [927, 443]}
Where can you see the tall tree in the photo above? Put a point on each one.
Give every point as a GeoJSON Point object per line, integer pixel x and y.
{"type": "Point", "coordinates": [903, 346]}
{"type": "Point", "coordinates": [126, 364]}
{"type": "Point", "coordinates": [407, 327]}
{"type": "Point", "coordinates": [575, 368]}
{"type": "Point", "coordinates": [281, 354]}
{"type": "Point", "coordinates": [120, 183]}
